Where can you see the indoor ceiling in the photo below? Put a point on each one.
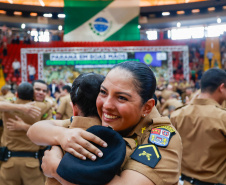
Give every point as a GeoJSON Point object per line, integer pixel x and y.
{"type": "Point", "coordinates": [60, 3]}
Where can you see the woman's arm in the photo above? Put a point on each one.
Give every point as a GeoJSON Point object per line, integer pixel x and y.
{"type": "Point", "coordinates": [130, 177]}
{"type": "Point", "coordinates": [74, 141]}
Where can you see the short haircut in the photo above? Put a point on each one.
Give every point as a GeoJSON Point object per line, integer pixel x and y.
{"type": "Point", "coordinates": [67, 87]}
{"type": "Point", "coordinates": [39, 81]}
{"type": "Point", "coordinates": [5, 88]}
{"type": "Point", "coordinates": [212, 79]}
{"type": "Point", "coordinates": [25, 91]}
{"type": "Point", "coordinates": [84, 92]}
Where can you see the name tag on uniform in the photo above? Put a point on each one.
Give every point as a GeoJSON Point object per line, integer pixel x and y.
{"type": "Point", "coordinates": [161, 136]}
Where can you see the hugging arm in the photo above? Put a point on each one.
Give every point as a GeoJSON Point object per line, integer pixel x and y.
{"type": "Point", "coordinates": [75, 141]}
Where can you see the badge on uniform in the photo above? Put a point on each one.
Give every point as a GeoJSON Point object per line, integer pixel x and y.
{"type": "Point", "coordinates": [161, 136]}
{"type": "Point", "coordinates": [147, 154]}
{"type": "Point", "coordinates": [71, 119]}
{"type": "Point", "coordinates": [45, 116]}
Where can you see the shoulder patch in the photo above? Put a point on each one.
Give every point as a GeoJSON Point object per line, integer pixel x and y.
{"type": "Point", "coordinates": [161, 136]}
{"type": "Point", "coordinates": [147, 154]}
{"type": "Point", "coordinates": [169, 128]}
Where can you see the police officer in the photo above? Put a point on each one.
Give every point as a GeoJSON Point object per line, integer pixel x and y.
{"type": "Point", "coordinates": [64, 110]}
{"type": "Point", "coordinates": [7, 95]}
{"type": "Point", "coordinates": [202, 127]}
{"type": "Point", "coordinates": [83, 95]}
{"type": "Point", "coordinates": [171, 104]}
{"type": "Point", "coordinates": [20, 156]}
{"type": "Point", "coordinates": [125, 103]}
{"type": "Point", "coordinates": [40, 91]}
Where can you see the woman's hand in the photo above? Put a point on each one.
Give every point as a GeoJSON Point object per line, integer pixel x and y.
{"type": "Point", "coordinates": [77, 142]}
{"type": "Point", "coordinates": [51, 161]}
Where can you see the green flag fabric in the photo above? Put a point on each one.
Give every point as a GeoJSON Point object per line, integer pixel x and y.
{"type": "Point", "coordinates": [101, 20]}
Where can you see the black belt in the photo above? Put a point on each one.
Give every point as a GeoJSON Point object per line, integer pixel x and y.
{"type": "Point", "coordinates": [196, 181]}
{"type": "Point", "coordinates": [22, 154]}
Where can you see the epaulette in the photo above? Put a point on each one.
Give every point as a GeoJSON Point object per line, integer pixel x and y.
{"type": "Point", "coordinates": [222, 108]}
{"type": "Point", "coordinates": [181, 106]}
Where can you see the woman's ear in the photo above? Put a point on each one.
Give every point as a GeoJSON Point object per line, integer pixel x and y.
{"type": "Point", "coordinates": [147, 108]}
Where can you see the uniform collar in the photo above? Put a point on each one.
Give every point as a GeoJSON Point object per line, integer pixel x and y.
{"type": "Point", "coordinates": [199, 101]}
{"type": "Point", "coordinates": [20, 101]}
{"type": "Point", "coordinates": [145, 122]}
{"type": "Point", "coordinates": [84, 122]}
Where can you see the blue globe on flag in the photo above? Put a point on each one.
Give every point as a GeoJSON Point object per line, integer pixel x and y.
{"type": "Point", "coordinates": [101, 24]}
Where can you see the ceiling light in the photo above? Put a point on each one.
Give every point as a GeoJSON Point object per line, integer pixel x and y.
{"type": "Point", "coordinates": [60, 27]}
{"type": "Point", "coordinates": [32, 14]}
{"type": "Point", "coordinates": [61, 15]}
{"type": "Point", "coordinates": [178, 24]}
{"type": "Point", "coordinates": [47, 15]}
{"type": "Point", "coordinates": [17, 13]}
{"type": "Point", "coordinates": [211, 9]}
{"type": "Point", "coordinates": [195, 11]}
{"type": "Point", "coordinates": [180, 12]}
{"type": "Point", "coordinates": [23, 26]}
{"type": "Point", "coordinates": [165, 13]}
{"type": "Point", "coordinates": [219, 20]}
{"type": "Point", "coordinates": [2, 12]}
{"type": "Point", "coordinates": [42, 3]}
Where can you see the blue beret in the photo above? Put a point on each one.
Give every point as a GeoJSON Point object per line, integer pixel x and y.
{"type": "Point", "coordinates": [100, 171]}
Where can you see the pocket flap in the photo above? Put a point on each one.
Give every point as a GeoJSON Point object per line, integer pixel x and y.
{"type": "Point", "coordinates": [32, 164]}
{"type": "Point", "coordinates": [8, 164]}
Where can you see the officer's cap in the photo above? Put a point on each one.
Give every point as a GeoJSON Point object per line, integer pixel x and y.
{"type": "Point", "coordinates": [103, 169]}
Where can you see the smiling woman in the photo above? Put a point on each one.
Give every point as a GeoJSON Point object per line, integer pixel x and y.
{"type": "Point", "coordinates": [125, 103]}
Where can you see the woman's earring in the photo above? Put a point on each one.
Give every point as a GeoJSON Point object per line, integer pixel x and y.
{"type": "Point", "coordinates": [144, 115]}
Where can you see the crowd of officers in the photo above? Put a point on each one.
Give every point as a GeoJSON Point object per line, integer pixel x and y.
{"type": "Point", "coordinates": [199, 115]}
{"type": "Point", "coordinates": [25, 157]}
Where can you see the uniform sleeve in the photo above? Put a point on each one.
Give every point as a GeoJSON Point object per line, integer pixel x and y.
{"type": "Point", "coordinates": [165, 105]}
{"type": "Point", "coordinates": [62, 106]}
{"type": "Point", "coordinates": [173, 118]}
{"type": "Point", "coordinates": [167, 170]}
{"type": "Point", "coordinates": [65, 123]}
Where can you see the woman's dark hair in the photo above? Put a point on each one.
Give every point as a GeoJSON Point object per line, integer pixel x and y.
{"type": "Point", "coordinates": [25, 91]}
{"type": "Point", "coordinates": [84, 92]}
{"type": "Point", "coordinates": [144, 78]}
